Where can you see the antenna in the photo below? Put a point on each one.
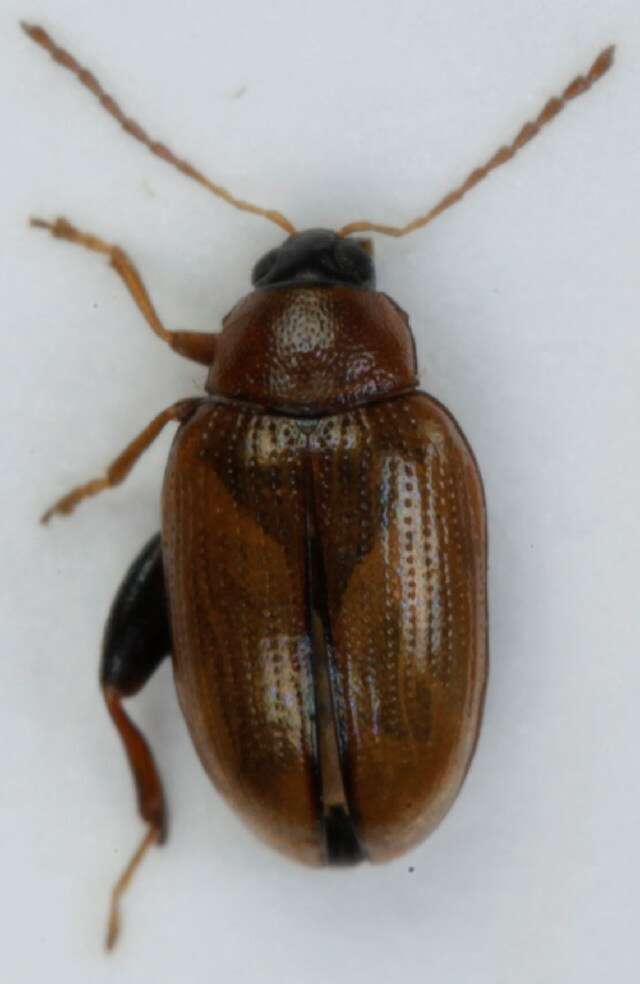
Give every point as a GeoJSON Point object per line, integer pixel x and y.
{"type": "Point", "coordinates": [40, 36]}
{"type": "Point", "coordinates": [579, 85]}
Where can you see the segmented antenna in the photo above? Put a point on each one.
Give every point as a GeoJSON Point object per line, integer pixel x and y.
{"type": "Point", "coordinates": [40, 36]}
{"type": "Point", "coordinates": [575, 88]}
{"type": "Point", "coordinates": [579, 85]}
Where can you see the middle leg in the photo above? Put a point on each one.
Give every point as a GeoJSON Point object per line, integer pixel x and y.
{"type": "Point", "coordinates": [120, 467]}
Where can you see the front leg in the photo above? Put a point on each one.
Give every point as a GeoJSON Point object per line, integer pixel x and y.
{"type": "Point", "coordinates": [118, 470]}
{"type": "Point", "coordinates": [196, 345]}
{"type": "Point", "coordinates": [137, 638]}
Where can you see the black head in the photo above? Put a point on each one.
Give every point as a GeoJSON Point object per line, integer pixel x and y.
{"type": "Point", "coordinates": [317, 256]}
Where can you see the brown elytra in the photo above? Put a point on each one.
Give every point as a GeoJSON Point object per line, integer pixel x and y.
{"type": "Point", "coordinates": [370, 520]}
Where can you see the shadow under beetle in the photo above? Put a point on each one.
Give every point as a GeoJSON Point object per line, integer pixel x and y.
{"type": "Point", "coordinates": [320, 578]}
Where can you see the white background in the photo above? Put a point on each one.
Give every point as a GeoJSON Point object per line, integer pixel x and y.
{"type": "Point", "coordinates": [524, 301]}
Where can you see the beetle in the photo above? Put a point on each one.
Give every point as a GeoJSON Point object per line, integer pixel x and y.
{"type": "Point", "coordinates": [320, 578]}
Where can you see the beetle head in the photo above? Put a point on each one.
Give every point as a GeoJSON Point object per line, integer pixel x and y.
{"type": "Point", "coordinates": [317, 256]}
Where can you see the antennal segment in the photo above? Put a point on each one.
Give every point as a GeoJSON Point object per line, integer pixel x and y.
{"type": "Point", "coordinates": [40, 36]}
{"type": "Point", "coordinates": [579, 85]}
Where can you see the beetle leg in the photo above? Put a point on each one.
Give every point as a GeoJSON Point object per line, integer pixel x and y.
{"type": "Point", "coordinates": [137, 638]}
{"type": "Point", "coordinates": [199, 346]}
{"type": "Point", "coordinates": [118, 470]}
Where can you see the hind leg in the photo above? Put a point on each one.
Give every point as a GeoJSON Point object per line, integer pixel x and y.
{"type": "Point", "coordinates": [137, 638]}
